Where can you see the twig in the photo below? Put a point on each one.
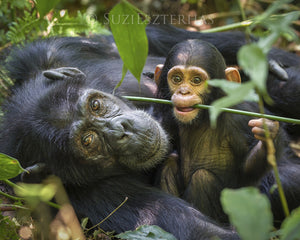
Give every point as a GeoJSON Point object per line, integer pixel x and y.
{"type": "Point", "coordinates": [272, 161]}
{"type": "Point", "coordinates": [229, 27]}
{"type": "Point", "coordinates": [11, 207]}
{"type": "Point", "coordinates": [98, 224]}
{"type": "Point", "coordinates": [11, 197]}
{"type": "Point", "coordinates": [230, 110]}
{"type": "Point", "coordinates": [13, 185]}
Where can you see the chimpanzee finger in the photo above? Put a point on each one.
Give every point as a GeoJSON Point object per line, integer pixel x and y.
{"type": "Point", "coordinates": [256, 122]}
{"type": "Point", "coordinates": [258, 127]}
{"type": "Point", "coordinates": [258, 131]}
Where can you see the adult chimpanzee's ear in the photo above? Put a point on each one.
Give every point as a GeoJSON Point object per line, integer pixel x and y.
{"type": "Point", "coordinates": [232, 75]}
{"type": "Point", "coordinates": [157, 73]}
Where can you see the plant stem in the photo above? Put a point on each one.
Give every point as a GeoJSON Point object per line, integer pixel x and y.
{"type": "Point", "coordinates": [272, 161]}
{"type": "Point", "coordinates": [13, 185]}
{"type": "Point", "coordinates": [247, 30]}
{"type": "Point", "coordinates": [229, 27]}
{"type": "Point", "coordinates": [103, 220]}
{"type": "Point", "coordinates": [11, 207]}
{"type": "Point", "coordinates": [230, 110]}
{"type": "Point", "coordinates": [10, 196]}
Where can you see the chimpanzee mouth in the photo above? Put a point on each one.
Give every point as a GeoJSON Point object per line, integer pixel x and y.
{"type": "Point", "coordinates": [184, 109]}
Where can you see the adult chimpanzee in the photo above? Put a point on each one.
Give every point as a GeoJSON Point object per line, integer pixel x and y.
{"type": "Point", "coordinates": [100, 147]}
{"type": "Point", "coordinates": [212, 159]}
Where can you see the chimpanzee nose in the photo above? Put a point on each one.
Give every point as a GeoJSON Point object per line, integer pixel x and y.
{"type": "Point", "coordinates": [119, 129]}
{"type": "Point", "coordinates": [184, 90]}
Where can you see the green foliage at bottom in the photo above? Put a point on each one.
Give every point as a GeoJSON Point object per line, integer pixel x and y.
{"type": "Point", "coordinates": [249, 211]}
{"type": "Point", "coordinates": [146, 232]}
{"type": "Point", "coordinates": [290, 228]}
{"type": "Point", "coordinates": [8, 229]}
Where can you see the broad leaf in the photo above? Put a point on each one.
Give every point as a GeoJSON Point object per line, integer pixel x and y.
{"type": "Point", "coordinates": [236, 93]}
{"type": "Point", "coordinates": [44, 6]}
{"type": "Point", "coordinates": [9, 167]}
{"type": "Point", "coordinates": [290, 228]}
{"type": "Point", "coordinates": [130, 36]}
{"type": "Point", "coordinates": [147, 232]}
{"type": "Point", "coordinates": [254, 62]}
{"type": "Point", "coordinates": [249, 211]}
{"type": "Point", "coordinates": [233, 87]}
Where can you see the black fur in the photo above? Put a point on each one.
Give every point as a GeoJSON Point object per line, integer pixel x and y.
{"type": "Point", "coordinates": [50, 107]}
{"type": "Point", "coordinates": [213, 159]}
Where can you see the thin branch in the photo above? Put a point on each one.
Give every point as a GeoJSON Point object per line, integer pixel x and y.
{"type": "Point", "coordinates": [11, 207]}
{"type": "Point", "coordinates": [247, 30]}
{"type": "Point", "coordinates": [272, 161]}
{"type": "Point", "coordinates": [229, 27]}
{"type": "Point", "coordinates": [13, 185]}
{"type": "Point", "coordinates": [10, 196]}
{"type": "Point", "coordinates": [230, 110]}
{"type": "Point", "coordinates": [98, 224]}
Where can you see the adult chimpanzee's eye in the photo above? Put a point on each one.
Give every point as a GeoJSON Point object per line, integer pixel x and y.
{"type": "Point", "coordinates": [95, 105]}
{"type": "Point", "coordinates": [87, 139]}
{"type": "Point", "coordinates": [176, 79]}
{"type": "Point", "coordinates": [196, 80]}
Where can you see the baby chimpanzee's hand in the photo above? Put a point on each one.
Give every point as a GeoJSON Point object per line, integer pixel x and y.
{"type": "Point", "coordinates": [258, 128]}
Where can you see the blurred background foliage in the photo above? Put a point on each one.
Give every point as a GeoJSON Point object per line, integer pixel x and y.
{"type": "Point", "coordinates": [71, 17]}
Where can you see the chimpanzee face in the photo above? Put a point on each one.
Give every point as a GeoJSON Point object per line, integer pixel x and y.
{"type": "Point", "coordinates": [109, 132]}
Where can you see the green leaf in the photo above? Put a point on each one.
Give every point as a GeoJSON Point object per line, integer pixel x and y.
{"type": "Point", "coordinates": [146, 232]}
{"type": "Point", "coordinates": [9, 167]}
{"type": "Point", "coordinates": [124, 71]}
{"type": "Point", "coordinates": [254, 62]}
{"type": "Point", "coordinates": [236, 93]}
{"type": "Point", "coordinates": [84, 222]}
{"type": "Point", "coordinates": [279, 25]}
{"type": "Point", "coordinates": [274, 7]}
{"type": "Point", "coordinates": [130, 36]}
{"type": "Point", "coordinates": [232, 87]}
{"type": "Point", "coordinates": [34, 193]}
{"type": "Point", "coordinates": [44, 6]}
{"type": "Point", "coordinates": [290, 228]}
{"type": "Point", "coordinates": [249, 211]}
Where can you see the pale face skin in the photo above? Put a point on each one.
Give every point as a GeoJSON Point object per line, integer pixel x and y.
{"type": "Point", "coordinates": [186, 84]}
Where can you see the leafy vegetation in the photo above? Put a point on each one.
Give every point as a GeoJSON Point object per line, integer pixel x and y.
{"type": "Point", "coordinates": [23, 21]}
{"type": "Point", "coordinates": [129, 31]}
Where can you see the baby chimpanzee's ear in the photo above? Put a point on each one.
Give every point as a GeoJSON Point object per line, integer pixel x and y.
{"type": "Point", "coordinates": [232, 75]}
{"type": "Point", "coordinates": [157, 73]}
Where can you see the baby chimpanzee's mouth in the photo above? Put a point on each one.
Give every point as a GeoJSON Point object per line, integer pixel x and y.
{"type": "Point", "coordinates": [184, 109]}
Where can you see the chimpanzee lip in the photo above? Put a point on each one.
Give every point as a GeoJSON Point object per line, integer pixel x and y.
{"type": "Point", "coordinates": [184, 109]}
